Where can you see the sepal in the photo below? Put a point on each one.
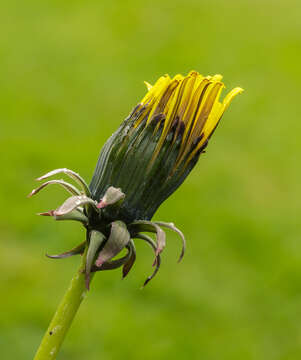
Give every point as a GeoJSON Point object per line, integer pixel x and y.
{"type": "Point", "coordinates": [148, 226]}
{"type": "Point", "coordinates": [118, 239]}
{"type": "Point", "coordinates": [112, 196]}
{"type": "Point", "coordinates": [78, 250]}
{"type": "Point", "coordinates": [76, 215]}
{"type": "Point", "coordinates": [69, 187]}
{"type": "Point", "coordinates": [74, 202]}
{"type": "Point", "coordinates": [157, 263]}
{"type": "Point", "coordinates": [131, 260]}
{"type": "Point", "coordinates": [72, 174]}
{"type": "Point", "coordinates": [95, 241]}
{"type": "Point", "coordinates": [171, 226]}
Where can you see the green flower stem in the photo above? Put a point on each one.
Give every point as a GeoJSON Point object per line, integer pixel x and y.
{"type": "Point", "coordinates": [63, 316]}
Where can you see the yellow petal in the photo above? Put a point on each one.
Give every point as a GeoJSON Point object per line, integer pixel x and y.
{"type": "Point", "coordinates": [231, 96]}
{"type": "Point", "coordinates": [148, 85]}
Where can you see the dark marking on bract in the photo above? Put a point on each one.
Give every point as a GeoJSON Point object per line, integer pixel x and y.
{"type": "Point", "coordinates": [181, 129]}
{"type": "Point", "coordinates": [174, 124]}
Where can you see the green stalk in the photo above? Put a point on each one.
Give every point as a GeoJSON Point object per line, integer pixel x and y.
{"type": "Point", "coordinates": [63, 316]}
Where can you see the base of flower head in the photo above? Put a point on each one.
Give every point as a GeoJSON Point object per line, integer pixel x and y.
{"type": "Point", "coordinates": [107, 236]}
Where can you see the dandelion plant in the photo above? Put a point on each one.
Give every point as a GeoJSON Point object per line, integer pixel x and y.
{"type": "Point", "coordinates": [139, 167]}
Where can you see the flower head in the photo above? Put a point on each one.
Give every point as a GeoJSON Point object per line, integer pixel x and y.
{"type": "Point", "coordinates": [158, 145]}
{"type": "Point", "coordinates": [139, 167]}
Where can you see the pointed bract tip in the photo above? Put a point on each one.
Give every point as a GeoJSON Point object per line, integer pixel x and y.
{"type": "Point", "coordinates": [52, 256]}
{"type": "Point", "coordinates": [146, 282]}
{"type": "Point", "coordinates": [101, 204]}
{"type": "Point", "coordinates": [99, 262]}
{"type": "Point", "coordinates": [155, 261]}
{"type": "Point", "coordinates": [148, 85]}
{"type": "Point", "coordinates": [180, 258]}
{"type": "Point", "coordinates": [159, 250]}
{"type": "Point", "coordinates": [87, 281]}
{"type": "Point", "coordinates": [47, 213]}
{"type": "Point", "coordinates": [31, 193]}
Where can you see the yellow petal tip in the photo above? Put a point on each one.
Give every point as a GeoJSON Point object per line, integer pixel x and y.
{"type": "Point", "coordinates": [231, 95]}
{"type": "Point", "coordinates": [148, 85]}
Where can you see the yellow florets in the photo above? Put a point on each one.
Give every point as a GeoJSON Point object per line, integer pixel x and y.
{"type": "Point", "coordinates": [193, 100]}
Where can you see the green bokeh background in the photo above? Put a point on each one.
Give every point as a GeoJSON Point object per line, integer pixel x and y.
{"type": "Point", "coordinates": [70, 72]}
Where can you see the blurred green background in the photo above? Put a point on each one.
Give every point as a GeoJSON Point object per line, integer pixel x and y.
{"type": "Point", "coordinates": [70, 72]}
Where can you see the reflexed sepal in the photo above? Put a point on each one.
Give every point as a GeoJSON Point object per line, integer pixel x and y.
{"type": "Point", "coordinates": [72, 174]}
{"type": "Point", "coordinates": [74, 202]}
{"type": "Point", "coordinates": [131, 260]}
{"type": "Point", "coordinates": [118, 239]}
{"type": "Point", "coordinates": [76, 215]}
{"type": "Point", "coordinates": [95, 240]}
{"type": "Point", "coordinates": [148, 226]}
{"type": "Point", "coordinates": [117, 263]}
{"type": "Point", "coordinates": [112, 196]}
{"type": "Point", "coordinates": [75, 251]}
{"type": "Point", "coordinates": [111, 203]}
{"type": "Point", "coordinates": [171, 226]}
{"type": "Point", "coordinates": [69, 187]}
{"type": "Point", "coordinates": [152, 244]}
